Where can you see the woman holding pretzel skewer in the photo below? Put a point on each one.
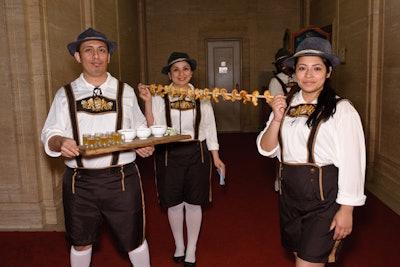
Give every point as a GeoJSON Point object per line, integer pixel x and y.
{"type": "Point", "coordinates": [318, 138]}
{"type": "Point", "coordinates": [183, 169]}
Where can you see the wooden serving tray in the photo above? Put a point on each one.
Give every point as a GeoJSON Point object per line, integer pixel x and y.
{"type": "Point", "coordinates": [131, 145]}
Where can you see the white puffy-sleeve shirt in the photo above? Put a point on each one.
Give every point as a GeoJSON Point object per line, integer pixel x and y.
{"type": "Point", "coordinates": [339, 141]}
{"type": "Point", "coordinates": [183, 121]}
{"type": "Point", "coordinates": [275, 86]}
{"type": "Point", "coordinates": [58, 120]}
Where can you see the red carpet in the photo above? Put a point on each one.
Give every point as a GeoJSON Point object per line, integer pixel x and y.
{"type": "Point", "coordinates": [240, 228]}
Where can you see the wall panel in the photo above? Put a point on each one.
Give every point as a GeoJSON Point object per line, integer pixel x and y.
{"type": "Point", "coordinates": [18, 188]}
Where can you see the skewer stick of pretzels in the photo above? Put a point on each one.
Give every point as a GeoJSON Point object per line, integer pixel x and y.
{"type": "Point", "coordinates": [234, 95]}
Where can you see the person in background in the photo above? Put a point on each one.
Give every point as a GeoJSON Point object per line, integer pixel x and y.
{"type": "Point", "coordinates": [284, 78]}
{"type": "Point", "coordinates": [319, 140]}
{"type": "Point", "coordinates": [283, 82]}
{"type": "Point", "coordinates": [183, 169]}
{"type": "Point", "coordinates": [103, 187]}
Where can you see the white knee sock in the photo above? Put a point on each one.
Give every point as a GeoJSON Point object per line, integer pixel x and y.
{"type": "Point", "coordinates": [176, 217]}
{"type": "Point", "coordinates": [140, 257]}
{"type": "Point", "coordinates": [80, 258]}
{"type": "Point", "coordinates": [193, 225]}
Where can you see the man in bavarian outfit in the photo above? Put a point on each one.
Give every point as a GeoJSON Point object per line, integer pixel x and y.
{"type": "Point", "coordinates": [284, 78]}
{"type": "Point", "coordinates": [319, 140]}
{"type": "Point", "coordinates": [103, 187]}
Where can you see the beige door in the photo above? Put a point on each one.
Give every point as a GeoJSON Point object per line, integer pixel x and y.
{"type": "Point", "coordinates": [224, 71]}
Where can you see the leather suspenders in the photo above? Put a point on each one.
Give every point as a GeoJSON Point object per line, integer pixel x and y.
{"type": "Point", "coordinates": [282, 84]}
{"type": "Point", "coordinates": [72, 115]}
{"type": "Point", "coordinates": [119, 117]}
{"type": "Point", "coordinates": [197, 119]}
{"type": "Point", "coordinates": [74, 122]}
{"type": "Point", "coordinates": [311, 136]}
{"type": "Point", "coordinates": [310, 141]}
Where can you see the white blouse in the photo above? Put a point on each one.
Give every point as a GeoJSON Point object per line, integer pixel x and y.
{"type": "Point", "coordinates": [183, 120]}
{"type": "Point", "coordinates": [58, 120]}
{"type": "Point", "coordinates": [339, 141]}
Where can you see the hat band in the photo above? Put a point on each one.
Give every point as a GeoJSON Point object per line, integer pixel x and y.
{"type": "Point", "coordinates": [308, 51]}
{"type": "Point", "coordinates": [280, 58]}
{"type": "Point", "coordinates": [89, 38]}
{"type": "Point", "coordinates": [178, 60]}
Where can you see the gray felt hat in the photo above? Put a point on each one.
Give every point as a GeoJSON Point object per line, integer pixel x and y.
{"type": "Point", "coordinates": [91, 34]}
{"type": "Point", "coordinates": [313, 46]}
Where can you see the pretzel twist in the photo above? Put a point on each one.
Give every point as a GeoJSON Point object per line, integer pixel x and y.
{"type": "Point", "coordinates": [234, 95]}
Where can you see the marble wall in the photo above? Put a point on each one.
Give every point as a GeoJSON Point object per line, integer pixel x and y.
{"type": "Point", "coordinates": [383, 104]}
{"type": "Point", "coordinates": [35, 63]}
{"type": "Point", "coordinates": [366, 34]}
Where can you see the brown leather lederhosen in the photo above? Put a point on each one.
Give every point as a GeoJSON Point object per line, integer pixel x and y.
{"type": "Point", "coordinates": [75, 127]}
{"type": "Point", "coordinates": [191, 162]}
{"type": "Point", "coordinates": [308, 197]}
{"type": "Point", "coordinates": [97, 191]}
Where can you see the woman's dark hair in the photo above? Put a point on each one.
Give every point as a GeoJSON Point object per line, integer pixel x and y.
{"type": "Point", "coordinates": [326, 105]}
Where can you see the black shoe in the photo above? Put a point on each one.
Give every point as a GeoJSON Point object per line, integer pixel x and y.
{"type": "Point", "coordinates": [179, 259]}
{"type": "Point", "coordinates": [189, 264]}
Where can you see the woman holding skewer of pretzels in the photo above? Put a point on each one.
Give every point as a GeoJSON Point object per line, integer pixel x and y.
{"type": "Point", "coordinates": [183, 169]}
{"type": "Point", "coordinates": [319, 140]}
